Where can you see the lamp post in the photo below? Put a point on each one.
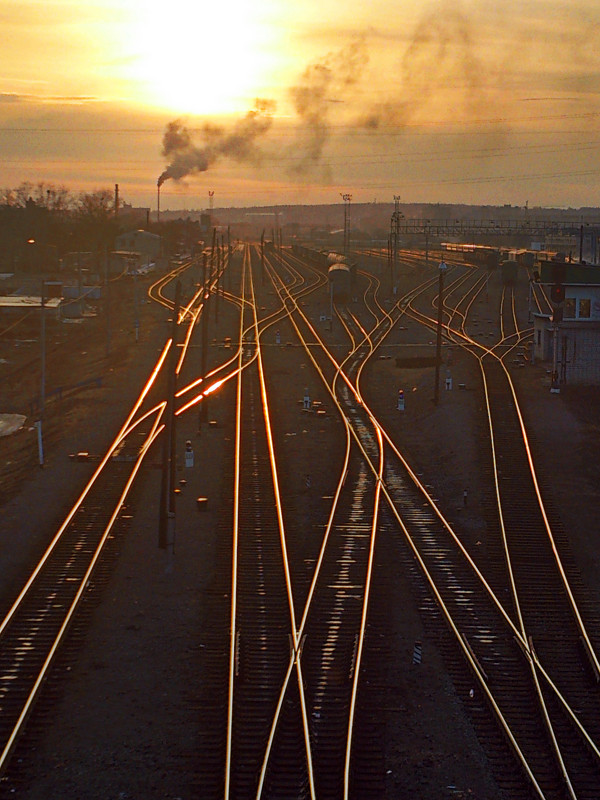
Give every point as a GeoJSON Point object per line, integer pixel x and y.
{"type": "Point", "coordinates": [438, 348]}
{"type": "Point", "coordinates": [347, 198]}
{"type": "Point", "coordinates": [43, 348]}
{"type": "Point", "coordinates": [38, 424]}
{"type": "Point", "coordinates": [394, 240]}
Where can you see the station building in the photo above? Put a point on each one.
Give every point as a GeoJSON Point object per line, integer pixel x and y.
{"type": "Point", "coordinates": [569, 339]}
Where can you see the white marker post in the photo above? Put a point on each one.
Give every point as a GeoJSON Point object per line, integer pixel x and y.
{"type": "Point", "coordinates": [38, 426]}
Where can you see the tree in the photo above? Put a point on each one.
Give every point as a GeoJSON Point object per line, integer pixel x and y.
{"type": "Point", "coordinates": [95, 219]}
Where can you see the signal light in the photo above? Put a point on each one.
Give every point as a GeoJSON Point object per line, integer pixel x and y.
{"type": "Point", "coordinates": [557, 293]}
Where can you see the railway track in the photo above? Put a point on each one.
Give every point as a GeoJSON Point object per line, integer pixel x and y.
{"type": "Point", "coordinates": [564, 763]}
{"type": "Point", "coordinates": [36, 628]}
{"type": "Point", "coordinates": [289, 675]}
{"type": "Point", "coordinates": [541, 600]}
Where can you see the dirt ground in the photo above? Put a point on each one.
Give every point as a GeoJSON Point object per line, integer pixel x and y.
{"type": "Point", "coordinates": [125, 724]}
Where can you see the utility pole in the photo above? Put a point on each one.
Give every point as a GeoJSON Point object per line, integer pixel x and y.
{"type": "Point", "coordinates": [395, 241]}
{"type": "Point", "coordinates": [107, 301]}
{"type": "Point", "coordinates": [219, 273]}
{"type": "Point", "coordinates": [347, 198]}
{"type": "Point", "coordinates": [438, 348]}
{"type": "Point", "coordinates": [229, 257]}
{"type": "Point", "coordinates": [203, 415]}
{"type": "Point", "coordinates": [166, 522]}
{"type": "Point", "coordinates": [43, 347]}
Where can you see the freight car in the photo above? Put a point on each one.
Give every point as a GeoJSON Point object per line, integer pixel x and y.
{"type": "Point", "coordinates": [340, 282]}
{"type": "Point", "coordinates": [481, 254]}
{"type": "Point", "coordinates": [325, 260]}
{"type": "Point", "coordinates": [485, 256]}
{"type": "Point", "coordinates": [526, 258]}
{"type": "Point", "coordinates": [509, 269]}
{"type": "Point", "coordinates": [317, 257]}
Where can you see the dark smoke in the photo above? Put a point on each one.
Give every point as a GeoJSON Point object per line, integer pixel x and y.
{"type": "Point", "coordinates": [239, 143]}
{"type": "Point", "coordinates": [321, 85]}
{"type": "Point", "coordinates": [439, 56]}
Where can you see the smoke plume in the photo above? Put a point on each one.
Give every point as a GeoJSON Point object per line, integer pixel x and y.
{"type": "Point", "coordinates": [240, 143]}
{"type": "Point", "coordinates": [321, 86]}
{"type": "Point", "coordinates": [440, 56]}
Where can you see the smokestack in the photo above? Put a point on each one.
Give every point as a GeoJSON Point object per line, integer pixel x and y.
{"type": "Point", "coordinates": [116, 199]}
{"type": "Point", "coordinates": [158, 200]}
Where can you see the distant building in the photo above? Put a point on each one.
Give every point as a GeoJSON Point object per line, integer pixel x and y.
{"type": "Point", "coordinates": [130, 215]}
{"type": "Point", "coordinates": [147, 244]}
{"type": "Point", "coordinates": [569, 339]}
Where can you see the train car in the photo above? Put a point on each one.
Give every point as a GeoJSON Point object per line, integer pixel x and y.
{"type": "Point", "coordinates": [317, 257]}
{"type": "Point", "coordinates": [340, 282]}
{"type": "Point", "coordinates": [509, 268]}
{"type": "Point", "coordinates": [481, 254]}
{"type": "Point", "coordinates": [325, 259]}
{"type": "Point", "coordinates": [485, 256]}
{"type": "Point", "coordinates": [526, 258]}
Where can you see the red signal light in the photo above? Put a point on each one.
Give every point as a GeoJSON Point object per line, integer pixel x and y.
{"type": "Point", "coordinates": [557, 293]}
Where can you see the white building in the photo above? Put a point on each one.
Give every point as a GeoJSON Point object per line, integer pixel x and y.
{"type": "Point", "coordinates": [570, 339]}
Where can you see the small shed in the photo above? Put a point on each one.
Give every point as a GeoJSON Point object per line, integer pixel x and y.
{"type": "Point", "coordinates": [16, 305]}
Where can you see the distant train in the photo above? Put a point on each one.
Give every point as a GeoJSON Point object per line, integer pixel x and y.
{"type": "Point", "coordinates": [340, 282]}
{"type": "Point", "coordinates": [510, 271]}
{"type": "Point", "coordinates": [341, 271]}
{"type": "Point", "coordinates": [480, 254]}
{"type": "Point", "coordinates": [506, 259]}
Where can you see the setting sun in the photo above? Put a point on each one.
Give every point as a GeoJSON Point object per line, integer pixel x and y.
{"type": "Point", "coordinates": [197, 58]}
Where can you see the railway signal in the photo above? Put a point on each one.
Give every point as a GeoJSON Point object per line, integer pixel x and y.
{"type": "Point", "coordinates": [189, 454]}
{"type": "Point", "coordinates": [557, 293]}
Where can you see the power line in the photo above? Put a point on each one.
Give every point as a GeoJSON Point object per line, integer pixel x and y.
{"type": "Point", "coordinates": [382, 129]}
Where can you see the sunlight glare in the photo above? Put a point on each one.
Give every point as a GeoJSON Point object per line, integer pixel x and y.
{"type": "Point", "coordinates": [198, 58]}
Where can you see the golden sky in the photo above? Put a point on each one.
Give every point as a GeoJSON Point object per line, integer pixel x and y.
{"type": "Point", "coordinates": [436, 101]}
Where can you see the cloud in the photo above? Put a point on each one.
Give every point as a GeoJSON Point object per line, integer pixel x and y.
{"type": "Point", "coordinates": [14, 97]}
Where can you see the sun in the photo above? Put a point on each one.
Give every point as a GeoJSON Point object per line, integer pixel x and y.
{"type": "Point", "coordinates": [194, 57]}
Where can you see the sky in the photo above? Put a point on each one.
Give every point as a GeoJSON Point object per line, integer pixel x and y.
{"type": "Point", "coordinates": [264, 102]}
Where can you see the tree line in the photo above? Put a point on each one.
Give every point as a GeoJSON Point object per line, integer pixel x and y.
{"type": "Point", "coordinates": [41, 222]}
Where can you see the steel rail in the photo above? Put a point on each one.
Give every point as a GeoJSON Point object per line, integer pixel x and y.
{"type": "Point", "coordinates": [83, 584]}
{"type": "Point", "coordinates": [372, 540]}
{"type": "Point", "coordinates": [534, 662]}
{"type": "Point", "coordinates": [235, 537]}
{"type": "Point", "coordinates": [286, 567]}
{"type": "Point", "coordinates": [527, 769]}
{"type": "Point", "coordinates": [467, 653]}
{"type": "Point", "coordinates": [460, 640]}
{"type": "Point", "coordinates": [490, 351]}
{"type": "Point", "coordinates": [87, 488]}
